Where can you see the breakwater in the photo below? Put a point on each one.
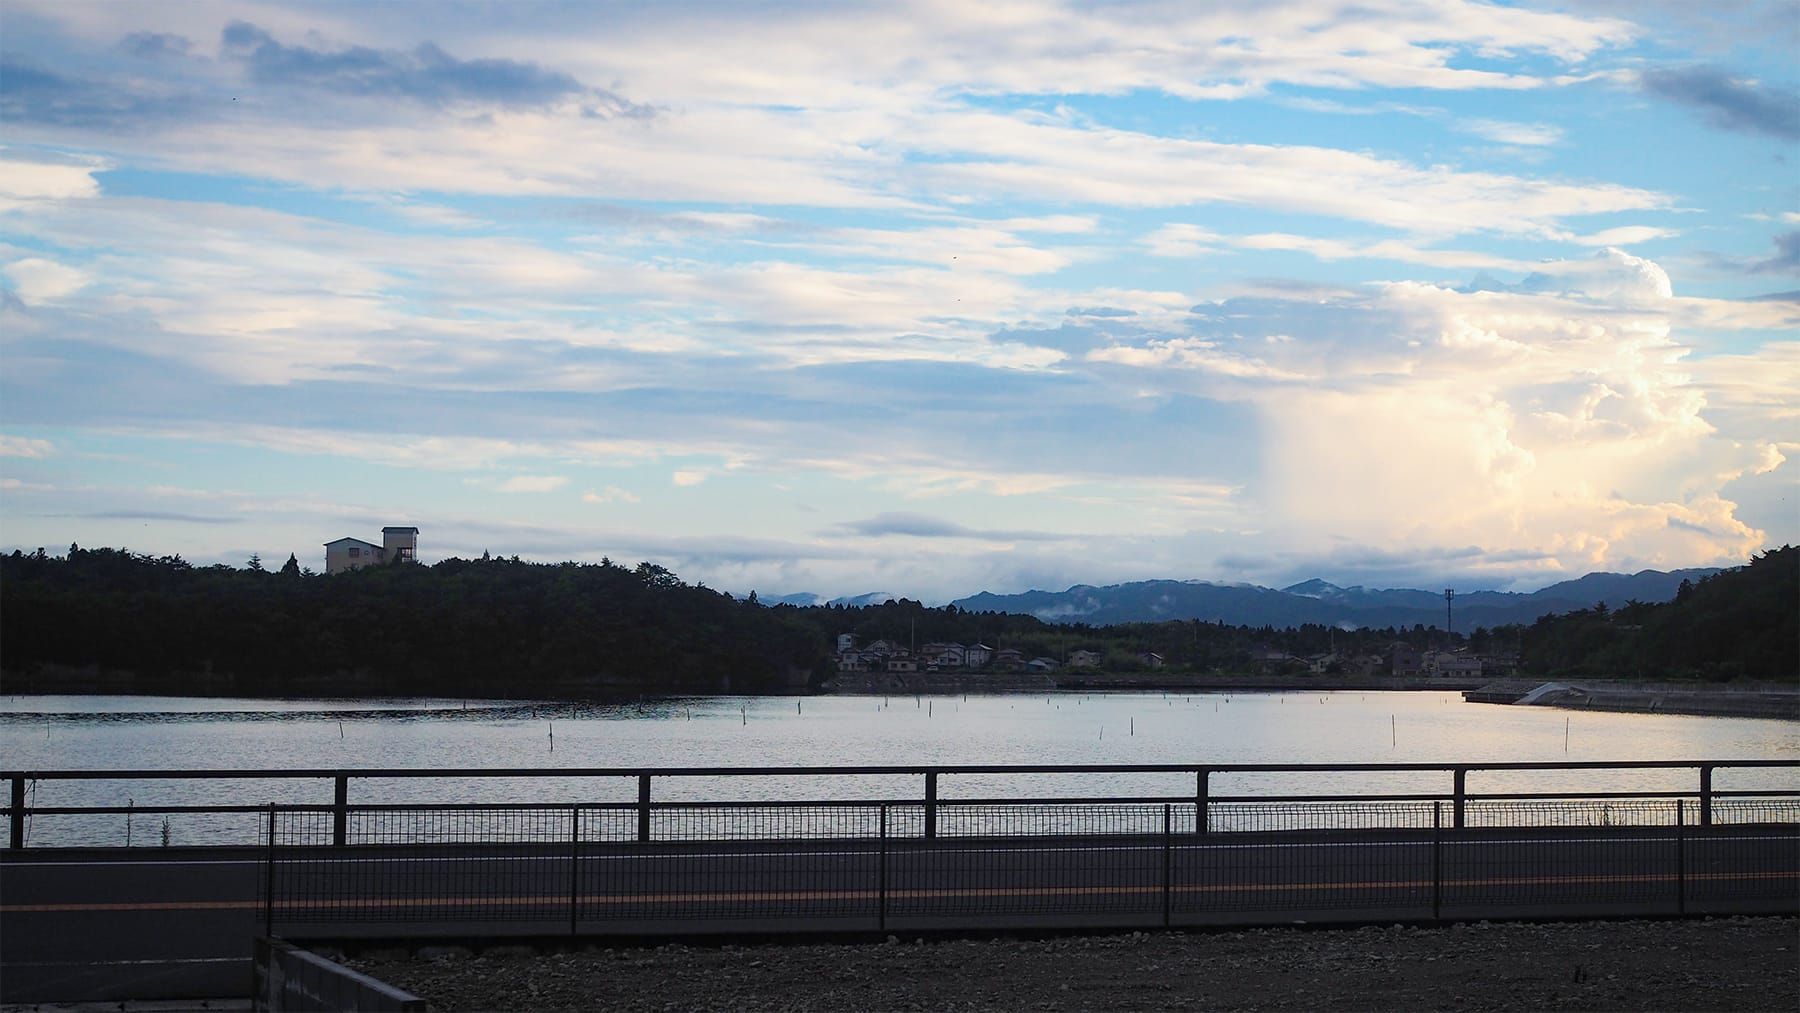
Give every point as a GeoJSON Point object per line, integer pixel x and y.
{"type": "Point", "coordinates": [1752, 701]}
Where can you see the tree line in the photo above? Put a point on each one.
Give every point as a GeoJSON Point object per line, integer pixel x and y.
{"type": "Point", "coordinates": [113, 619]}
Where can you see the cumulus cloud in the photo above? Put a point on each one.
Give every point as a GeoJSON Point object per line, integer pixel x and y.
{"type": "Point", "coordinates": [1727, 101]}
{"type": "Point", "coordinates": [37, 280]}
{"type": "Point", "coordinates": [1557, 417]}
{"type": "Point", "coordinates": [687, 477]}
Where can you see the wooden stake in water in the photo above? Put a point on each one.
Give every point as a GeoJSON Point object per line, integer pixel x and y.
{"type": "Point", "coordinates": [1394, 729]}
{"type": "Point", "coordinates": [553, 736]}
{"type": "Point", "coordinates": [744, 715]}
{"type": "Point", "coordinates": [796, 706]}
{"type": "Point", "coordinates": [1134, 726]}
{"type": "Point", "coordinates": [1565, 735]}
{"type": "Point", "coordinates": [340, 729]}
{"type": "Point", "coordinates": [928, 710]}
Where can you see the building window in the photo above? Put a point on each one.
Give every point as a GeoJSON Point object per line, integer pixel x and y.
{"type": "Point", "coordinates": [355, 553]}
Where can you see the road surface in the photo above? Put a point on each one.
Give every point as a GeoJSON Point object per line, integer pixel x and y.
{"type": "Point", "coordinates": [102, 924]}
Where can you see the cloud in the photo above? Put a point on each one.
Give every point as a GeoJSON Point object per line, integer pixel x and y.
{"type": "Point", "coordinates": [533, 483]}
{"type": "Point", "coordinates": [1610, 274]}
{"type": "Point", "coordinates": [27, 179]}
{"type": "Point", "coordinates": [25, 446]}
{"type": "Point", "coordinates": [1787, 256]}
{"type": "Point", "coordinates": [1624, 235]}
{"type": "Point", "coordinates": [689, 478]}
{"type": "Point", "coordinates": [161, 515]}
{"type": "Point", "coordinates": [155, 45]}
{"type": "Point", "coordinates": [1181, 239]}
{"type": "Point", "coordinates": [426, 74]}
{"type": "Point", "coordinates": [37, 280]}
{"type": "Point", "coordinates": [1728, 102]}
{"type": "Point", "coordinates": [610, 494]}
{"type": "Point", "coordinates": [925, 526]}
{"type": "Point", "coordinates": [34, 95]}
{"type": "Point", "coordinates": [1503, 132]}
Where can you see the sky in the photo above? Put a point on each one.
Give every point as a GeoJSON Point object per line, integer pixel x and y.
{"type": "Point", "coordinates": [924, 298]}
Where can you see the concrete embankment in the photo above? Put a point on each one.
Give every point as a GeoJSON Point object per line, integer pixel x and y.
{"type": "Point", "coordinates": [1767, 700]}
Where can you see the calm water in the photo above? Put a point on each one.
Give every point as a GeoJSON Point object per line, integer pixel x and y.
{"type": "Point", "coordinates": [39, 733]}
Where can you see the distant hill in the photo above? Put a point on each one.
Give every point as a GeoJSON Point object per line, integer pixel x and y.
{"type": "Point", "coordinates": [1324, 603]}
{"type": "Point", "coordinates": [1738, 623]}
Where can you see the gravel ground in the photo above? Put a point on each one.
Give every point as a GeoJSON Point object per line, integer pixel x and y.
{"type": "Point", "coordinates": [1717, 964]}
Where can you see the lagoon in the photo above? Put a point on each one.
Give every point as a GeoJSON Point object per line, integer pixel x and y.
{"type": "Point", "coordinates": [98, 732]}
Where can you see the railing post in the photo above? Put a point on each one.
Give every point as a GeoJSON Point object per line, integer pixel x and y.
{"type": "Point", "coordinates": [1202, 793]}
{"type": "Point", "coordinates": [643, 808]}
{"type": "Point", "coordinates": [269, 878]}
{"type": "Point", "coordinates": [882, 874]}
{"type": "Point", "coordinates": [1437, 861]}
{"type": "Point", "coordinates": [340, 810]}
{"type": "Point", "coordinates": [1459, 786]}
{"type": "Point", "coordinates": [1681, 856]}
{"type": "Point", "coordinates": [17, 834]}
{"type": "Point", "coordinates": [1168, 861]}
{"type": "Point", "coordinates": [931, 803]}
{"type": "Point", "coordinates": [1706, 795]}
{"type": "Point", "coordinates": [574, 867]}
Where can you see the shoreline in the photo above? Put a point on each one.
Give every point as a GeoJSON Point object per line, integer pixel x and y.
{"type": "Point", "coordinates": [1751, 700]}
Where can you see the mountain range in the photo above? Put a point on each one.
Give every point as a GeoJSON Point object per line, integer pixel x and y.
{"type": "Point", "coordinates": [1312, 601]}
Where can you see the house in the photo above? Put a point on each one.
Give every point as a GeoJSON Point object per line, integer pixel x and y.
{"type": "Point", "coordinates": [1042, 665]}
{"type": "Point", "coordinates": [1319, 664]}
{"type": "Point", "coordinates": [977, 655]}
{"type": "Point", "coordinates": [1151, 659]}
{"type": "Point", "coordinates": [846, 642]}
{"type": "Point", "coordinates": [1447, 665]}
{"type": "Point", "coordinates": [397, 545]}
{"type": "Point", "coordinates": [1009, 659]}
{"type": "Point", "coordinates": [1499, 664]}
{"type": "Point", "coordinates": [1083, 659]}
{"type": "Point", "coordinates": [943, 655]}
{"type": "Point", "coordinates": [1407, 660]}
{"type": "Point", "coordinates": [902, 662]}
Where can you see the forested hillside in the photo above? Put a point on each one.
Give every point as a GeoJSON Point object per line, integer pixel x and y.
{"type": "Point", "coordinates": [489, 626]}
{"type": "Point", "coordinates": [1742, 623]}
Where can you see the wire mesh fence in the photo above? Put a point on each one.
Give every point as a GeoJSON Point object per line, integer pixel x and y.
{"type": "Point", "coordinates": [590, 869]}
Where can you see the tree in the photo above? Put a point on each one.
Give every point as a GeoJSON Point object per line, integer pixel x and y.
{"type": "Point", "coordinates": [291, 568]}
{"type": "Point", "coordinates": [256, 563]}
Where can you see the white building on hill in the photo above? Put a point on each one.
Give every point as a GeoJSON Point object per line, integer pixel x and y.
{"type": "Point", "coordinates": [400, 544]}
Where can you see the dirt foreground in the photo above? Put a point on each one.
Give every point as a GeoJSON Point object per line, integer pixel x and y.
{"type": "Point", "coordinates": [1717, 964]}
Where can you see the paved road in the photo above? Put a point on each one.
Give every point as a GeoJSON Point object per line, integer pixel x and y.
{"type": "Point", "coordinates": [92, 925]}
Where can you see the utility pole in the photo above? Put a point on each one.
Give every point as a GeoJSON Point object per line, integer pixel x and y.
{"type": "Point", "coordinates": [1449, 629]}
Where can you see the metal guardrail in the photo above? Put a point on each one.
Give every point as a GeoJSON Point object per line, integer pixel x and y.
{"type": "Point", "coordinates": [292, 980]}
{"type": "Point", "coordinates": [1205, 802]}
